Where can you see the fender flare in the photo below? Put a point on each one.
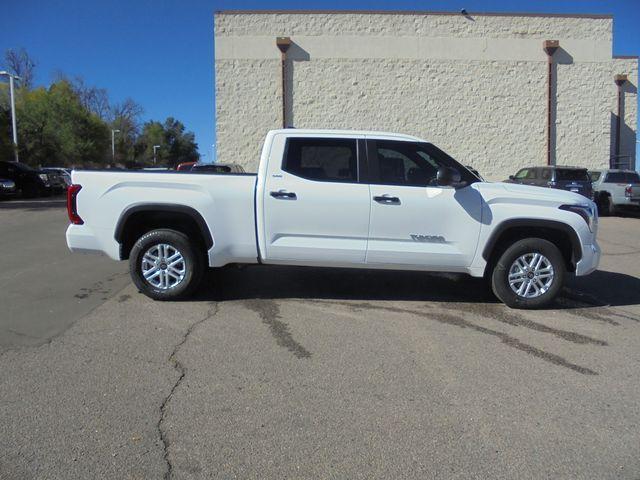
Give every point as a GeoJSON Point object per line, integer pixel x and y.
{"type": "Point", "coordinates": [576, 246]}
{"type": "Point", "coordinates": [164, 207]}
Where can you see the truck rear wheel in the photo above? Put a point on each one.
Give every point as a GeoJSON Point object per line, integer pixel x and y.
{"type": "Point", "coordinates": [165, 265]}
{"type": "Point", "coordinates": [606, 207]}
{"type": "Point", "coordinates": [529, 274]}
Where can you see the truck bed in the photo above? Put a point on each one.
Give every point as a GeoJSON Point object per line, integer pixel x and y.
{"type": "Point", "coordinates": [226, 201]}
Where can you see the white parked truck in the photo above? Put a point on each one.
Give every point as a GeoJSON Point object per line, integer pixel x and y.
{"type": "Point", "coordinates": [336, 199]}
{"type": "Point", "coordinates": [614, 190]}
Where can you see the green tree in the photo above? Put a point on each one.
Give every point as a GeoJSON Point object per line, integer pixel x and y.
{"type": "Point", "coordinates": [70, 123]}
{"type": "Point", "coordinates": [6, 151]}
{"type": "Point", "coordinates": [176, 144]}
{"type": "Point", "coordinates": [56, 129]}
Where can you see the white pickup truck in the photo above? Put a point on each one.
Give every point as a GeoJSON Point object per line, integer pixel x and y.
{"type": "Point", "coordinates": [615, 190]}
{"type": "Point", "coordinates": [336, 199]}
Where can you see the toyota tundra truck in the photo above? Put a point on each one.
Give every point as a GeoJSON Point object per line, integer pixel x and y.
{"type": "Point", "coordinates": [341, 199]}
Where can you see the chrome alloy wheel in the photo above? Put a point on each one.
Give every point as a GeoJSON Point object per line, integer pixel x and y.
{"type": "Point", "coordinates": [531, 275]}
{"type": "Point", "coordinates": [163, 266]}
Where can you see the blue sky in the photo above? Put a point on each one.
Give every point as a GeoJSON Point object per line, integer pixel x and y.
{"type": "Point", "coordinates": [160, 53]}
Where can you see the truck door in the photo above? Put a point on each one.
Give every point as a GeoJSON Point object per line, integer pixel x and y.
{"type": "Point", "coordinates": [315, 211]}
{"type": "Point", "coordinates": [414, 222]}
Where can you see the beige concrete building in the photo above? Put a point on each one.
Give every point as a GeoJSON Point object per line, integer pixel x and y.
{"type": "Point", "coordinates": [479, 85]}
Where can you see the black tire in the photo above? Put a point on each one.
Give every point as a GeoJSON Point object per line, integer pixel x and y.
{"type": "Point", "coordinates": [606, 207]}
{"type": "Point", "coordinates": [500, 273]}
{"type": "Point", "coordinates": [193, 262]}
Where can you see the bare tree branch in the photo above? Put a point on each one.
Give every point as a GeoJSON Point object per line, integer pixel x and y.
{"type": "Point", "coordinates": [21, 64]}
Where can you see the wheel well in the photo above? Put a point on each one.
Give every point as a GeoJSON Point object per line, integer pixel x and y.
{"type": "Point", "coordinates": [566, 242]}
{"type": "Point", "coordinates": [133, 224]}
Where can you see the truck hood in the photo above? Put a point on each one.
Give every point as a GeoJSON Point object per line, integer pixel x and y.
{"type": "Point", "coordinates": [515, 193]}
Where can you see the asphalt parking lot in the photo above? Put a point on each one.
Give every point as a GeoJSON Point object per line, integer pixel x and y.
{"type": "Point", "coordinates": [311, 373]}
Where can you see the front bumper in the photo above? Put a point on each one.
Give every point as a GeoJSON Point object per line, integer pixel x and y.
{"type": "Point", "coordinates": [590, 259]}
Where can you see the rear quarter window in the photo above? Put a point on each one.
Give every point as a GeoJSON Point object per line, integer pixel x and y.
{"type": "Point", "coordinates": [595, 176]}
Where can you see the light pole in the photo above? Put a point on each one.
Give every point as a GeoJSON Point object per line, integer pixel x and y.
{"type": "Point", "coordinates": [13, 77]}
{"type": "Point", "coordinates": [113, 144]}
{"type": "Point", "coordinates": [155, 147]}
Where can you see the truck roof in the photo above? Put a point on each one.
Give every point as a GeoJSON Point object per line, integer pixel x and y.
{"type": "Point", "coordinates": [613, 170]}
{"type": "Point", "coordinates": [319, 132]}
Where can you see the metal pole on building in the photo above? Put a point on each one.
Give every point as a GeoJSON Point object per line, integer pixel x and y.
{"type": "Point", "coordinates": [283, 44]}
{"type": "Point", "coordinates": [620, 80]}
{"type": "Point", "coordinates": [13, 77]}
{"type": "Point", "coordinates": [155, 148]}
{"type": "Point", "coordinates": [550, 47]}
{"type": "Point", "coordinates": [113, 144]}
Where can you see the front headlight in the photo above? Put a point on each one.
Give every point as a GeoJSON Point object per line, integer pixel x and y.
{"type": "Point", "coordinates": [588, 213]}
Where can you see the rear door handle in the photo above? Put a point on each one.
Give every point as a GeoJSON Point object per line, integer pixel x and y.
{"type": "Point", "coordinates": [283, 194]}
{"type": "Point", "coordinates": [387, 200]}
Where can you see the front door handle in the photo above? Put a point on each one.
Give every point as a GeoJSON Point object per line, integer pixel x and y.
{"type": "Point", "coordinates": [387, 200]}
{"type": "Point", "coordinates": [283, 194]}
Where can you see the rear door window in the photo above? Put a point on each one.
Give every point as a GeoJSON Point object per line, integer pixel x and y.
{"type": "Point", "coordinates": [322, 159]}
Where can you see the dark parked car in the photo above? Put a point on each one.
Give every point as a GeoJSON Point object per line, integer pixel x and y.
{"type": "Point", "coordinates": [65, 173]}
{"type": "Point", "coordinates": [57, 180]}
{"type": "Point", "coordinates": [573, 179]}
{"type": "Point", "coordinates": [30, 182]}
{"type": "Point", "coordinates": [217, 168]}
{"type": "Point", "coordinates": [7, 187]}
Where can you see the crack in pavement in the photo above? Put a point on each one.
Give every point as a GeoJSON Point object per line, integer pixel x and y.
{"type": "Point", "coordinates": [182, 370]}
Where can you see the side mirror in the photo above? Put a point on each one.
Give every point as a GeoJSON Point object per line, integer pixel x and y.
{"type": "Point", "coordinates": [447, 176]}
{"type": "Point", "coordinates": [512, 177]}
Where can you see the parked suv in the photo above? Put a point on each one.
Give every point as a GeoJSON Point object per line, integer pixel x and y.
{"type": "Point", "coordinates": [572, 179]}
{"type": "Point", "coordinates": [29, 181]}
{"type": "Point", "coordinates": [615, 189]}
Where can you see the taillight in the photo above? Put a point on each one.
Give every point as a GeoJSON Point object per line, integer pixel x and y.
{"type": "Point", "coordinates": [72, 193]}
{"type": "Point", "coordinates": [627, 191]}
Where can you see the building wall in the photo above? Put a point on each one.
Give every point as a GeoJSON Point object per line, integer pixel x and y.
{"type": "Point", "coordinates": [475, 86]}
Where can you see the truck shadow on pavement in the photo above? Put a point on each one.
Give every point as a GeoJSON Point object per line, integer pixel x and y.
{"type": "Point", "coordinates": [600, 289]}
{"type": "Point", "coordinates": [456, 300]}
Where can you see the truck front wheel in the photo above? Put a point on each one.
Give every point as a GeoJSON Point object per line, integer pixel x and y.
{"type": "Point", "coordinates": [529, 274]}
{"type": "Point", "coordinates": [165, 265]}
